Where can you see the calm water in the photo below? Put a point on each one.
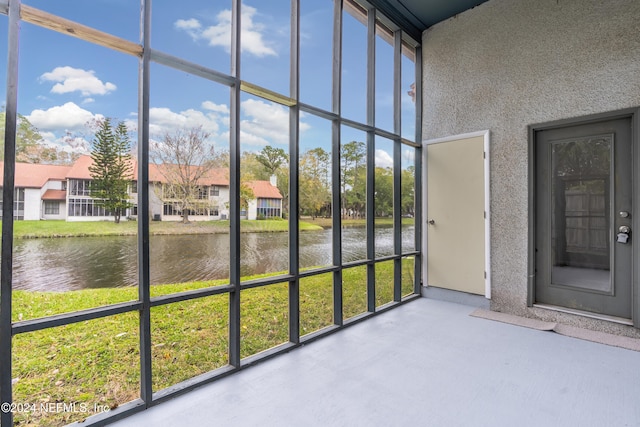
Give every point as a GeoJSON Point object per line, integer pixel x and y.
{"type": "Point", "coordinates": [99, 262]}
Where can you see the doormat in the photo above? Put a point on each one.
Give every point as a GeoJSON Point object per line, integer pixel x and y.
{"type": "Point", "coordinates": [570, 331]}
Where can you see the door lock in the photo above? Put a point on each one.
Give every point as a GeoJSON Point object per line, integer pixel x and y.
{"type": "Point", "coordinates": [624, 232]}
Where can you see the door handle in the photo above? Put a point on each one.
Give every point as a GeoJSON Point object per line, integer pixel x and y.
{"type": "Point", "coordinates": [623, 234]}
{"type": "Point", "coordinates": [431, 222]}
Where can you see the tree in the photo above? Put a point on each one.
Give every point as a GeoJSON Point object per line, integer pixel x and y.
{"type": "Point", "coordinates": [30, 146]}
{"type": "Point", "coordinates": [383, 192]}
{"type": "Point", "coordinates": [112, 169]}
{"type": "Point", "coordinates": [246, 195]}
{"type": "Point", "coordinates": [315, 185]}
{"type": "Point", "coordinates": [267, 163]}
{"type": "Point", "coordinates": [185, 158]}
{"type": "Point", "coordinates": [26, 136]}
{"type": "Point", "coordinates": [272, 159]}
{"type": "Point", "coordinates": [353, 174]}
{"type": "Point", "coordinates": [408, 185]}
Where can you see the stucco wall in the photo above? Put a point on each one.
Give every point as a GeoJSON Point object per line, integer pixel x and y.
{"type": "Point", "coordinates": [507, 64]}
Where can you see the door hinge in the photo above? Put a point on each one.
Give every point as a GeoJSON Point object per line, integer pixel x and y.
{"type": "Point", "coordinates": [485, 214]}
{"type": "Point", "coordinates": [485, 274]}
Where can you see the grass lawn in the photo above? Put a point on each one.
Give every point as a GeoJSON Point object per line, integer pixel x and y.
{"type": "Point", "coordinates": [37, 229]}
{"type": "Point", "coordinates": [55, 228]}
{"type": "Point", "coordinates": [328, 222]}
{"type": "Point", "coordinates": [97, 362]}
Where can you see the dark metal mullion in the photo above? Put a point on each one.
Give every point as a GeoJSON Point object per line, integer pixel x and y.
{"type": "Point", "coordinates": [266, 281]}
{"type": "Point", "coordinates": [418, 93]}
{"type": "Point", "coordinates": [397, 219]}
{"type": "Point", "coordinates": [189, 67]}
{"type": "Point", "coordinates": [418, 175]}
{"type": "Point", "coordinates": [190, 295]}
{"type": "Point", "coordinates": [336, 199]}
{"type": "Point", "coordinates": [359, 263]}
{"type": "Point", "coordinates": [294, 211]}
{"type": "Point", "coordinates": [397, 165]}
{"type": "Point", "coordinates": [75, 317]}
{"type": "Point", "coordinates": [410, 143]}
{"type": "Point", "coordinates": [306, 108]}
{"type": "Point", "coordinates": [371, 147]}
{"type": "Point", "coordinates": [317, 271]}
{"type": "Point", "coordinates": [144, 281]}
{"type": "Point", "coordinates": [234, 191]}
{"type": "Point", "coordinates": [357, 125]}
{"type": "Point", "coordinates": [6, 266]}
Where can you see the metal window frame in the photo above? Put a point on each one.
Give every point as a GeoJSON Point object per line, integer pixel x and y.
{"type": "Point", "coordinates": [146, 56]}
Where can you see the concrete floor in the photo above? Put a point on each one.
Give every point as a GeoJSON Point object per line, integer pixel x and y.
{"type": "Point", "coordinates": [427, 363]}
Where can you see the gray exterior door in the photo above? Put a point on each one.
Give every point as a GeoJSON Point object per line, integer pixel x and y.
{"type": "Point", "coordinates": [583, 199]}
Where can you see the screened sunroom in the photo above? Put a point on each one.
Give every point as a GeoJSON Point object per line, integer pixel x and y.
{"type": "Point", "coordinates": [320, 95]}
{"type": "Point", "coordinates": [355, 188]}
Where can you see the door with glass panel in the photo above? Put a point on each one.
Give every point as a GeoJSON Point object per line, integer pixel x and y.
{"type": "Point", "coordinates": [583, 190]}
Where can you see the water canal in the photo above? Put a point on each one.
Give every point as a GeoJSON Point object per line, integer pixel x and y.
{"type": "Point", "coordinates": [65, 264]}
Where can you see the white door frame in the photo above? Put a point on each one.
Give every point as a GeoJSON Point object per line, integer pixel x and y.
{"type": "Point", "coordinates": [487, 199]}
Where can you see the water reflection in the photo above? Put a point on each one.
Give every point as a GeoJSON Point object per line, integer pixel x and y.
{"type": "Point", "coordinates": [101, 262]}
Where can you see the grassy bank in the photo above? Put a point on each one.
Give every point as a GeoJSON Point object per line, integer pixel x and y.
{"type": "Point", "coordinates": [328, 222]}
{"type": "Point", "coordinates": [42, 229]}
{"type": "Point", "coordinates": [46, 229]}
{"type": "Point", "coordinates": [96, 363]}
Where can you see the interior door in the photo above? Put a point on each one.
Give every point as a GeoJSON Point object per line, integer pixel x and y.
{"type": "Point", "coordinates": [456, 214]}
{"type": "Point", "coordinates": [584, 208]}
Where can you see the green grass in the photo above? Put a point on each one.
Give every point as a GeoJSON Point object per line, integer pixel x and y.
{"type": "Point", "coordinates": [97, 361]}
{"type": "Point", "coordinates": [328, 222]}
{"type": "Point", "coordinates": [58, 228]}
{"type": "Point", "coordinates": [41, 229]}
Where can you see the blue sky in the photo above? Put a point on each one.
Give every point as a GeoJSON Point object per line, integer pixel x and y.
{"type": "Point", "coordinates": [65, 82]}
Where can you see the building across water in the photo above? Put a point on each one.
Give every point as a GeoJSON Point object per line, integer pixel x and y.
{"type": "Point", "coordinates": [55, 192]}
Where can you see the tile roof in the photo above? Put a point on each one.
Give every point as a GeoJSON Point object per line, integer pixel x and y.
{"type": "Point", "coordinates": [217, 176]}
{"type": "Point", "coordinates": [54, 195]}
{"type": "Point", "coordinates": [264, 190]}
{"type": "Point", "coordinates": [36, 175]}
{"type": "Point", "coordinates": [80, 168]}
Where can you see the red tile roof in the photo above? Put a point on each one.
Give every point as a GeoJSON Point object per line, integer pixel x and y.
{"type": "Point", "coordinates": [216, 176]}
{"type": "Point", "coordinates": [35, 175]}
{"type": "Point", "coordinates": [264, 190]}
{"type": "Point", "coordinates": [54, 195]}
{"type": "Point", "coordinates": [80, 170]}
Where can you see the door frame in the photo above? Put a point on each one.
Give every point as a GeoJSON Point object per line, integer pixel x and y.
{"type": "Point", "coordinates": [634, 115]}
{"type": "Point", "coordinates": [487, 204]}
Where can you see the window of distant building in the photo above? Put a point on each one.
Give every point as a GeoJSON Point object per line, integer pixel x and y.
{"type": "Point", "coordinates": [51, 207]}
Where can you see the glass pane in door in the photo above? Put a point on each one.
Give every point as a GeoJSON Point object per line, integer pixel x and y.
{"type": "Point", "coordinates": [581, 205]}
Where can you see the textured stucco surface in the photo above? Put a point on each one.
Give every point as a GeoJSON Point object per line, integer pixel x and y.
{"type": "Point", "coordinates": [508, 64]}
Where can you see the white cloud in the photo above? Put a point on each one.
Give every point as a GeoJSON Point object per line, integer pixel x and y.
{"type": "Point", "coordinates": [132, 125]}
{"type": "Point", "coordinates": [62, 117]}
{"type": "Point", "coordinates": [383, 159]}
{"type": "Point", "coordinates": [189, 25]}
{"type": "Point", "coordinates": [220, 34]}
{"type": "Point", "coordinates": [409, 156]}
{"type": "Point", "coordinates": [252, 140]}
{"type": "Point", "coordinates": [265, 123]}
{"type": "Point", "coordinates": [164, 120]}
{"type": "Point", "coordinates": [69, 79]}
{"type": "Point", "coordinates": [88, 100]}
{"type": "Point", "coordinates": [68, 143]}
{"type": "Point", "coordinates": [218, 108]}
